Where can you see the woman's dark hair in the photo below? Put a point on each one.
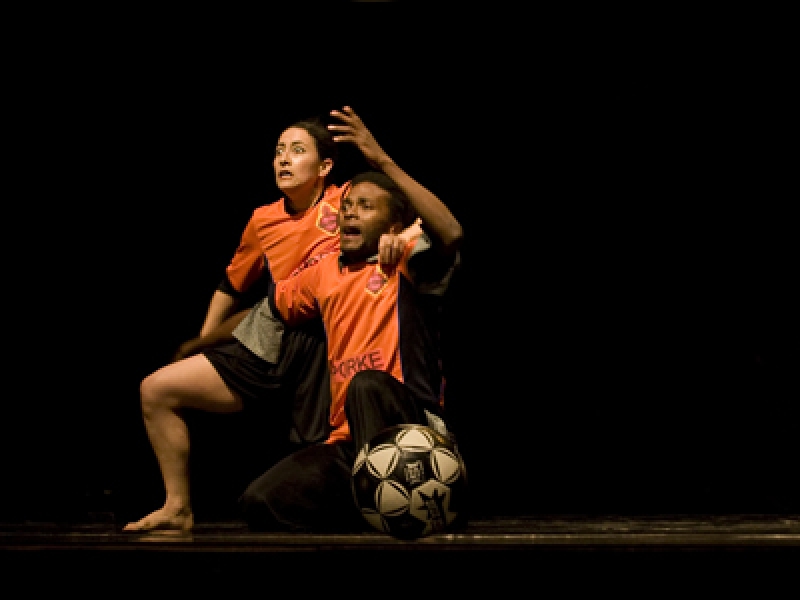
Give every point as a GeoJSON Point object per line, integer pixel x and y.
{"type": "Point", "coordinates": [400, 208]}
{"type": "Point", "coordinates": [323, 138]}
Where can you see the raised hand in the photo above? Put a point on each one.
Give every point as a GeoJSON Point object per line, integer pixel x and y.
{"type": "Point", "coordinates": [391, 245]}
{"type": "Point", "coordinates": [354, 131]}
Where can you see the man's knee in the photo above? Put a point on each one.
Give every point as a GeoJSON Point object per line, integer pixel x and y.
{"type": "Point", "coordinates": [256, 512]}
{"type": "Point", "coordinates": [269, 504]}
{"type": "Point", "coordinates": [366, 384]}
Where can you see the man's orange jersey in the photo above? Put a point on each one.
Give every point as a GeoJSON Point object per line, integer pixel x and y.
{"type": "Point", "coordinates": [374, 317]}
{"type": "Point", "coordinates": [277, 242]}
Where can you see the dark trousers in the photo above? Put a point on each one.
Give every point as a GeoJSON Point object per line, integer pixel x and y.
{"type": "Point", "coordinates": [310, 489]}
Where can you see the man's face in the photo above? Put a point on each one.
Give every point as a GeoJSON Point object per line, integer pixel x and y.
{"type": "Point", "coordinates": [363, 217]}
{"type": "Point", "coordinates": [296, 163]}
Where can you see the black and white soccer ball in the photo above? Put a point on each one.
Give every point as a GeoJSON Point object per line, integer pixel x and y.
{"type": "Point", "coordinates": [410, 481]}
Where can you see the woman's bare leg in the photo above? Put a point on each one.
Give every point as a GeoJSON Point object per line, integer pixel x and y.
{"type": "Point", "coordinates": [189, 383]}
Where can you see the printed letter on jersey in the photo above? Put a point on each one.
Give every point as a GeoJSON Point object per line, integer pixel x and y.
{"type": "Point", "coordinates": [344, 370]}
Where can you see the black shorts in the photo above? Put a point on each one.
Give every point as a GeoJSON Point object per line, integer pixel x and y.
{"type": "Point", "coordinates": [299, 383]}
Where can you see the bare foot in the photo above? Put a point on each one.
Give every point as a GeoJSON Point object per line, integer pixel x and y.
{"type": "Point", "coordinates": [163, 521]}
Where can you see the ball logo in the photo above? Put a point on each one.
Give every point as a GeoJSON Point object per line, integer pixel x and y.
{"type": "Point", "coordinates": [327, 218]}
{"type": "Point", "coordinates": [434, 505]}
{"type": "Point", "coordinates": [414, 472]}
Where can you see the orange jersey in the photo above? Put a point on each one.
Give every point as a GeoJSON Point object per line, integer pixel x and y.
{"type": "Point", "coordinates": [278, 242]}
{"type": "Point", "coordinates": [373, 320]}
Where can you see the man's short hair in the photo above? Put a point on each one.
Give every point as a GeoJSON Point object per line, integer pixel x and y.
{"type": "Point", "coordinates": [400, 208]}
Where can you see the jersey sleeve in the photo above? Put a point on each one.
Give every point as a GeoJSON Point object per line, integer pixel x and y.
{"type": "Point", "coordinates": [294, 298]}
{"type": "Point", "coordinates": [247, 264]}
{"type": "Point", "coordinates": [430, 271]}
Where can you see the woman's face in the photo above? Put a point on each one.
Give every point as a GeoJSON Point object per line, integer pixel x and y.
{"type": "Point", "coordinates": [296, 162]}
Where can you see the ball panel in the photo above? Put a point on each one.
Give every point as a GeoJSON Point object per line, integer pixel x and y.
{"type": "Point", "coordinates": [391, 498]}
{"type": "Point", "coordinates": [360, 459]}
{"type": "Point", "coordinates": [416, 439]}
{"type": "Point", "coordinates": [446, 465]}
{"type": "Point", "coordinates": [376, 520]}
{"type": "Point", "coordinates": [430, 502]}
{"type": "Point", "coordinates": [382, 460]}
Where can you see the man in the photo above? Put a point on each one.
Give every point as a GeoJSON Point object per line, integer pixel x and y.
{"type": "Point", "coordinates": [382, 338]}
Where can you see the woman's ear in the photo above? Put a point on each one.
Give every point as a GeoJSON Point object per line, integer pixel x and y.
{"type": "Point", "coordinates": [325, 167]}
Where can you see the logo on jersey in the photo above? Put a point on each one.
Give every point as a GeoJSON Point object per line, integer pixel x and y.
{"type": "Point", "coordinates": [369, 361]}
{"type": "Point", "coordinates": [377, 281]}
{"type": "Point", "coordinates": [311, 260]}
{"type": "Point", "coordinates": [327, 219]}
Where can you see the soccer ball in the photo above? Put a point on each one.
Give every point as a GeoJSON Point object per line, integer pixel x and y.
{"type": "Point", "coordinates": [410, 481]}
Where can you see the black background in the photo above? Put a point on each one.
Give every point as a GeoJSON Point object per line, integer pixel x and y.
{"type": "Point", "coordinates": [621, 338]}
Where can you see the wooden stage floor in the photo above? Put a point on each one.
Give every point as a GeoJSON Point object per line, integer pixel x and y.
{"type": "Point", "coordinates": [503, 553]}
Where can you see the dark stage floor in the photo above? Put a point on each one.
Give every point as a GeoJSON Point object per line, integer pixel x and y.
{"type": "Point", "coordinates": [502, 553]}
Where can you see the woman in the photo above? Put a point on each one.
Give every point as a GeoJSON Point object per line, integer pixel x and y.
{"type": "Point", "coordinates": [264, 362]}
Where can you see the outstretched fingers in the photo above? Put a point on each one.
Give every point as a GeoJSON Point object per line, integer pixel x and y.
{"type": "Point", "coordinates": [346, 131]}
{"type": "Point", "coordinates": [353, 130]}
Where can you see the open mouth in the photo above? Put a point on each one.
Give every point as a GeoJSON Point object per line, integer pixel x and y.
{"type": "Point", "coordinates": [350, 233]}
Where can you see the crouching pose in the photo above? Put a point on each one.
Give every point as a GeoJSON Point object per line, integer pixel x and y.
{"type": "Point", "coordinates": [382, 338]}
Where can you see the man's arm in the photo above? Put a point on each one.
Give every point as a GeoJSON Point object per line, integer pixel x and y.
{"type": "Point", "coordinates": [439, 223]}
{"type": "Point", "coordinates": [293, 300]}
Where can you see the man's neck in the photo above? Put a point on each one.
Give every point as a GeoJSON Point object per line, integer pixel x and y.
{"type": "Point", "coordinates": [347, 259]}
